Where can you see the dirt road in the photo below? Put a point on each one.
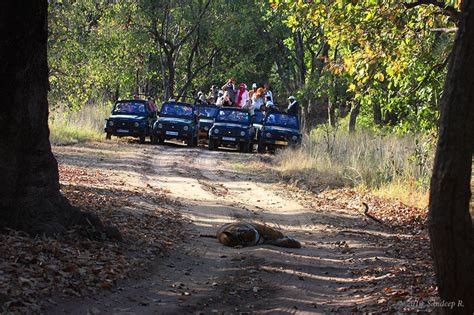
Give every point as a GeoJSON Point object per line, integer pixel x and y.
{"type": "Point", "coordinates": [345, 264]}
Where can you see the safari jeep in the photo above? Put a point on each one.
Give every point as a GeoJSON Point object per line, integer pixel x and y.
{"type": "Point", "coordinates": [130, 118]}
{"type": "Point", "coordinates": [176, 121]}
{"type": "Point", "coordinates": [232, 127]}
{"type": "Point", "coordinates": [206, 115]}
{"type": "Point", "coordinates": [279, 129]}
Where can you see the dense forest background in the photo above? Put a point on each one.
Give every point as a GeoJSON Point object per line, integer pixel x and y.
{"type": "Point", "coordinates": [381, 63]}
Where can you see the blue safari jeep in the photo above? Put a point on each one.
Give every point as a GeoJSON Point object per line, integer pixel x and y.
{"type": "Point", "coordinates": [206, 115]}
{"type": "Point", "coordinates": [177, 121]}
{"type": "Point", "coordinates": [130, 118]}
{"type": "Point", "coordinates": [232, 127]}
{"type": "Point", "coordinates": [279, 129]}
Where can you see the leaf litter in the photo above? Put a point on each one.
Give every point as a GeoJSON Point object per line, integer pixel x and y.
{"type": "Point", "coordinates": [34, 270]}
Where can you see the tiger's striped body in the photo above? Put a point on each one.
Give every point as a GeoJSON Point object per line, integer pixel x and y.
{"type": "Point", "coordinates": [250, 234]}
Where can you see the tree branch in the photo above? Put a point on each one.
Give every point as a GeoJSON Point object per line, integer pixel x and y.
{"type": "Point", "coordinates": [444, 30]}
{"type": "Point", "coordinates": [191, 75]}
{"type": "Point", "coordinates": [436, 67]}
{"type": "Point", "coordinates": [195, 26]}
{"type": "Point", "coordinates": [448, 10]}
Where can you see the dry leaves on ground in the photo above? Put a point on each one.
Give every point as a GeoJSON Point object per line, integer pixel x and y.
{"type": "Point", "coordinates": [32, 270]}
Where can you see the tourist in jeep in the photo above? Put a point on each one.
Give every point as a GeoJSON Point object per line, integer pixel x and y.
{"type": "Point", "coordinates": [293, 106]}
{"type": "Point", "coordinates": [213, 95]}
{"type": "Point", "coordinates": [267, 92]}
{"type": "Point", "coordinates": [231, 89]}
{"type": "Point", "coordinates": [227, 100]}
{"type": "Point", "coordinates": [220, 98]}
{"type": "Point", "coordinates": [242, 96]}
{"type": "Point", "coordinates": [258, 99]}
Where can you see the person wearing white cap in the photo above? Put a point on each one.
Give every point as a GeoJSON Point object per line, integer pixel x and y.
{"type": "Point", "coordinates": [254, 90]}
{"type": "Point", "coordinates": [220, 98]}
{"type": "Point", "coordinates": [293, 107]}
{"type": "Point", "coordinates": [201, 99]}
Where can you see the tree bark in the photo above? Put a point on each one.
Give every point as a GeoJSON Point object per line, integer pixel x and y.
{"type": "Point", "coordinates": [353, 116]}
{"type": "Point", "coordinates": [377, 111]}
{"type": "Point", "coordinates": [30, 199]}
{"type": "Point", "coordinates": [450, 224]}
{"type": "Point", "coordinates": [331, 112]}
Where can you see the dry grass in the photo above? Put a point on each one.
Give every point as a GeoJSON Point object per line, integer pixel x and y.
{"type": "Point", "coordinates": [390, 165]}
{"type": "Point", "coordinates": [87, 124]}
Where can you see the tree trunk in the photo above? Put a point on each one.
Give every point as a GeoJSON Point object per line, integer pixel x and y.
{"type": "Point", "coordinates": [450, 224]}
{"type": "Point", "coordinates": [353, 116]}
{"type": "Point", "coordinates": [300, 60]}
{"type": "Point", "coordinates": [331, 112]}
{"type": "Point", "coordinates": [171, 75]}
{"type": "Point", "coordinates": [30, 199]}
{"type": "Point", "coordinates": [377, 113]}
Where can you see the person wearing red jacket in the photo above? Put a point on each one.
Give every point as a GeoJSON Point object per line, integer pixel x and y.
{"type": "Point", "coordinates": [242, 96]}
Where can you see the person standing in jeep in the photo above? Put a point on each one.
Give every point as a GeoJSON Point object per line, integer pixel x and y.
{"type": "Point", "coordinates": [231, 89]}
{"type": "Point", "coordinates": [267, 92]}
{"type": "Point", "coordinates": [242, 96]}
{"type": "Point", "coordinates": [293, 107]}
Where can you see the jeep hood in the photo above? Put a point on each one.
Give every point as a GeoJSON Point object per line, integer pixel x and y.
{"type": "Point", "coordinates": [280, 129]}
{"type": "Point", "coordinates": [127, 117]}
{"type": "Point", "coordinates": [230, 125]}
{"type": "Point", "coordinates": [181, 121]}
{"type": "Point", "coordinates": [206, 120]}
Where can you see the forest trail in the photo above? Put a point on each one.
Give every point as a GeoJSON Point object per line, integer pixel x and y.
{"type": "Point", "coordinates": [346, 262]}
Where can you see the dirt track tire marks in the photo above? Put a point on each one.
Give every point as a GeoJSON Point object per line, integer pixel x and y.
{"type": "Point", "coordinates": [202, 275]}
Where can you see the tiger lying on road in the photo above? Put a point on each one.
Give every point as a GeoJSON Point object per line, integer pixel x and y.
{"type": "Point", "coordinates": [248, 234]}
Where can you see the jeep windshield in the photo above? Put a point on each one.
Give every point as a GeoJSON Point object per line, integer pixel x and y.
{"type": "Point", "coordinates": [282, 120]}
{"type": "Point", "coordinates": [129, 108]}
{"type": "Point", "coordinates": [177, 110]}
{"type": "Point", "coordinates": [208, 111]}
{"type": "Point", "coordinates": [233, 116]}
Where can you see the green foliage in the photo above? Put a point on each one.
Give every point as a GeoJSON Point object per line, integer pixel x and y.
{"type": "Point", "coordinates": [381, 54]}
{"type": "Point", "coordinates": [386, 53]}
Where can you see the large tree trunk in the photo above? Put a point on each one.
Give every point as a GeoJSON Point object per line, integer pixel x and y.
{"type": "Point", "coordinates": [450, 223]}
{"type": "Point", "coordinates": [30, 199]}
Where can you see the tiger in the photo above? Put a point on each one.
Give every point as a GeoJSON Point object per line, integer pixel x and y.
{"type": "Point", "coordinates": [250, 234]}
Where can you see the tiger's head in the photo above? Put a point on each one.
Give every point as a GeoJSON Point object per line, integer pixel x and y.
{"type": "Point", "coordinates": [238, 236]}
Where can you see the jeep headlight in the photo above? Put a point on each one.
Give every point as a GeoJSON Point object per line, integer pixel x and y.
{"type": "Point", "coordinates": [160, 126]}
{"type": "Point", "coordinates": [136, 124]}
{"type": "Point", "coordinates": [242, 133]}
{"type": "Point", "coordinates": [294, 138]}
{"type": "Point", "coordinates": [206, 128]}
{"type": "Point", "coordinates": [216, 131]}
{"type": "Point", "coordinates": [268, 135]}
{"type": "Point", "coordinates": [111, 123]}
{"type": "Point", "coordinates": [185, 128]}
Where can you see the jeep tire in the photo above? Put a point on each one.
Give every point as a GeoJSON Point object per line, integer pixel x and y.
{"type": "Point", "coordinates": [154, 139]}
{"type": "Point", "coordinates": [244, 147]}
{"type": "Point", "coordinates": [260, 147]}
{"type": "Point", "coordinates": [108, 136]}
{"type": "Point", "coordinates": [212, 145]}
{"type": "Point", "coordinates": [141, 139]}
{"type": "Point", "coordinates": [190, 142]}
